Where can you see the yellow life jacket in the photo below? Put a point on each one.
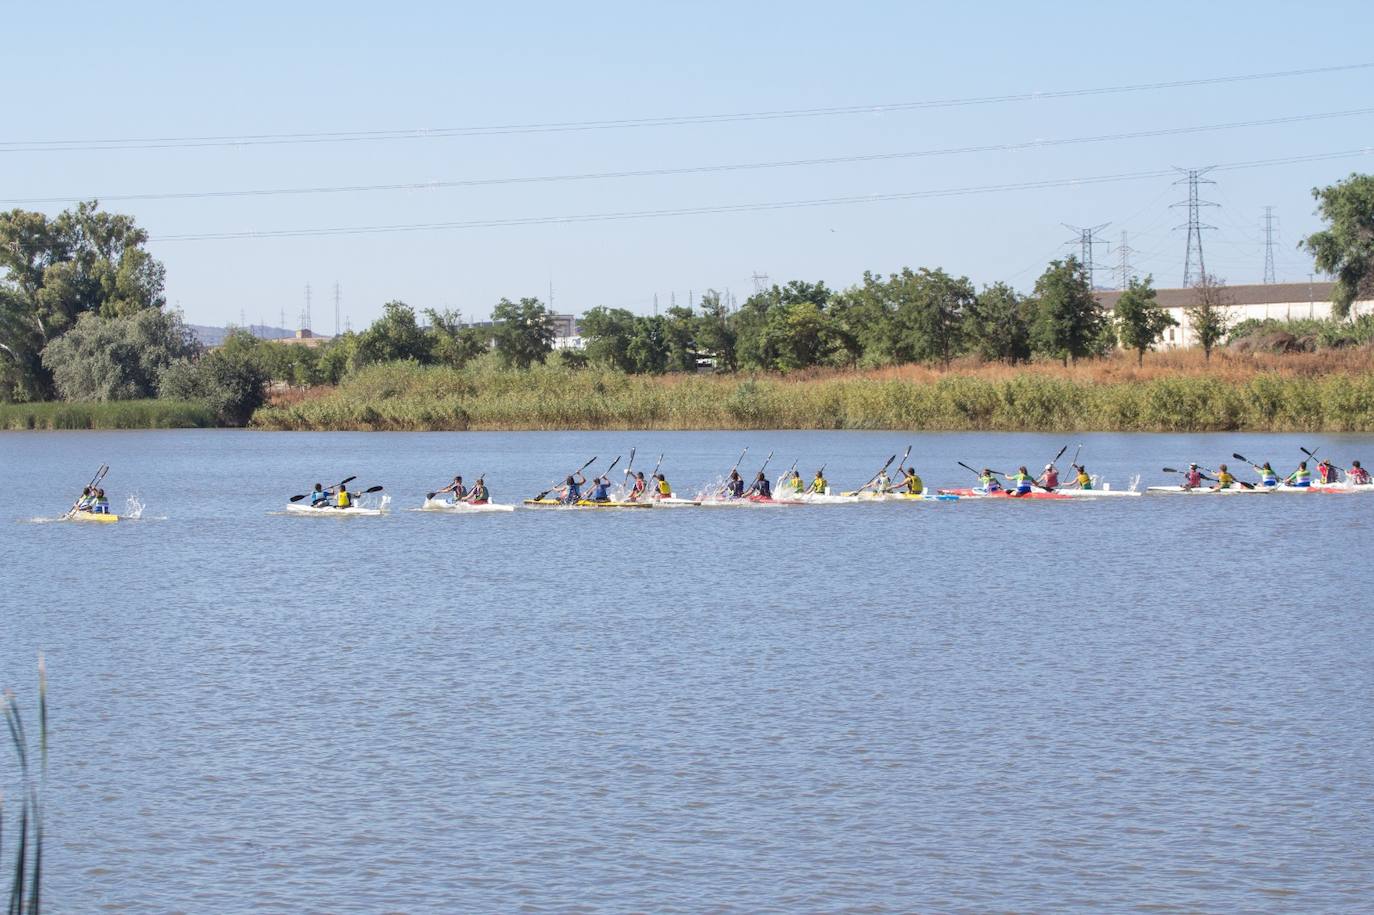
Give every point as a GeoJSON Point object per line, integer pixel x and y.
{"type": "Point", "coordinates": [819, 485]}
{"type": "Point", "coordinates": [343, 500]}
{"type": "Point", "coordinates": [1084, 479]}
{"type": "Point", "coordinates": [664, 489]}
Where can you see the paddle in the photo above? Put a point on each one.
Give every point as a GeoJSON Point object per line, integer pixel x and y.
{"type": "Point", "coordinates": [733, 469]}
{"type": "Point", "coordinates": [765, 465]}
{"type": "Point", "coordinates": [556, 485]}
{"type": "Point", "coordinates": [901, 465]}
{"type": "Point", "coordinates": [95, 481]}
{"type": "Point", "coordinates": [1185, 473]}
{"type": "Point", "coordinates": [1054, 461]}
{"type": "Point", "coordinates": [330, 489]}
{"type": "Point", "coordinates": [1253, 465]}
{"type": "Point", "coordinates": [431, 495]}
{"type": "Point", "coordinates": [875, 476]}
{"type": "Point", "coordinates": [1312, 455]}
{"type": "Point", "coordinates": [630, 466]}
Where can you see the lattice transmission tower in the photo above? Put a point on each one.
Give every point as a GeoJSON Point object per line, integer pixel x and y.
{"type": "Point", "coordinates": [1194, 268]}
{"type": "Point", "coordinates": [1086, 240]}
{"type": "Point", "coordinates": [1269, 245]}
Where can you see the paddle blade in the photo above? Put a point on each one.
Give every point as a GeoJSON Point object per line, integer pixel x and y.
{"type": "Point", "coordinates": [430, 495]}
{"type": "Point", "coordinates": [586, 465]}
{"type": "Point", "coordinates": [373, 489]}
{"type": "Point", "coordinates": [1241, 457]}
{"type": "Point", "coordinates": [297, 498]}
{"type": "Point", "coordinates": [1170, 470]}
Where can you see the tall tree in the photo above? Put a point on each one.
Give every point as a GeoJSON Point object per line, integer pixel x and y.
{"type": "Point", "coordinates": [52, 270]}
{"type": "Point", "coordinates": [117, 358]}
{"type": "Point", "coordinates": [648, 348]}
{"type": "Point", "coordinates": [524, 332]}
{"type": "Point", "coordinates": [1209, 316]}
{"type": "Point", "coordinates": [1069, 323]}
{"type": "Point", "coordinates": [606, 335]}
{"type": "Point", "coordinates": [681, 328]}
{"type": "Point", "coordinates": [452, 343]}
{"type": "Point", "coordinates": [1139, 319]}
{"type": "Point", "coordinates": [928, 319]}
{"type": "Point", "coordinates": [394, 336]}
{"type": "Point", "coordinates": [716, 335]}
{"type": "Point", "coordinates": [999, 324]}
{"type": "Point", "coordinates": [1345, 248]}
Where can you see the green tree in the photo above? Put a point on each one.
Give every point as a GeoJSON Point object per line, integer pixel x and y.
{"type": "Point", "coordinates": [715, 332]}
{"type": "Point", "coordinates": [230, 380]}
{"type": "Point", "coordinates": [793, 337]}
{"type": "Point", "coordinates": [928, 314]}
{"type": "Point", "coordinates": [452, 343]}
{"type": "Point", "coordinates": [680, 328]}
{"type": "Point", "coordinates": [1069, 323]}
{"type": "Point", "coordinates": [524, 332]}
{"type": "Point", "coordinates": [392, 337]}
{"type": "Point", "coordinates": [1140, 321]}
{"type": "Point", "coordinates": [53, 270]}
{"type": "Point", "coordinates": [606, 336]}
{"type": "Point", "coordinates": [648, 349]}
{"type": "Point", "coordinates": [1209, 317]}
{"type": "Point", "coordinates": [1345, 248]}
{"type": "Point", "coordinates": [999, 324]}
{"type": "Point", "coordinates": [117, 358]}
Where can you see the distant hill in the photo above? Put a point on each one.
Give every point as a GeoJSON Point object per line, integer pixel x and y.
{"type": "Point", "coordinates": [214, 336]}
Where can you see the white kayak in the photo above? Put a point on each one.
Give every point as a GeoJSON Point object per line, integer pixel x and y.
{"type": "Point", "coordinates": [1104, 492]}
{"type": "Point", "coordinates": [330, 511]}
{"type": "Point", "coordinates": [1207, 491]}
{"type": "Point", "coordinates": [815, 498]}
{"type": "Point", "coordinates": [462, 508]}
{"type": "Point", "coordinates": [924, 496]}
{"type": "Point", "coordinates": [674, 502]}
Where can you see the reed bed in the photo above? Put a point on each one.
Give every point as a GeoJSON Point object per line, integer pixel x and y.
{"type": "Point", "coordinates": [1236, 395]}
{"type": "Point", "coordinates": [114, 414]}
{"type": "Point", "coordinates": [26, 832]}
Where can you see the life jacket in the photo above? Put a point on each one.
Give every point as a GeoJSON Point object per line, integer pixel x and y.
{"type": "Point", "coordinates": [1023, 481]}
{"type": "Point", "coordinates": [914, 484]}
{"type": "Point", "coordinates": [795, 484]}
{"type": "Point", "coordinates": [479, 494]}
{"type": "Point", "coordinates": [1268, 477]}
{"type": "Point", "coordinates": [663, 488]}
{"type": "Point", "coordinates": [638, 488]}
{"type": "Point", "coordinates": [1194, 478]}
{"type": "Point", "coordinates": [1224, 479]}
{"type": "Point", "coordinates": [1051, 479]}
{"type": "Point", "coordinates": [1358, 475]}
{"type": "Point", "coordinates": [1084, 481]}
{"type": "Point", "coordinates": [1328, 473]}
{"type": "Point", "coordinates": [317, 497]}
{"type": "Point", "coordinates": [1302, 477]}
{"type": "Point", "coordinates": [819, 485]}
{"type": "Point", "coordinates": [989, 483]}
{"type": "Point", "coordinates": [343, 500]}
{"type": "Point", "coordinates": [458, 493]}
{"type": "Point", "coordinates": [574, 492]}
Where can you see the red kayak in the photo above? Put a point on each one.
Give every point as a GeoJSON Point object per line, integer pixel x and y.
{"type": "Point", "coordinates": [1002, 493]}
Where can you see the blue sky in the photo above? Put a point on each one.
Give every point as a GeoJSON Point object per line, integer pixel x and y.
{"type": "Point", "coordinates": [100, 71]}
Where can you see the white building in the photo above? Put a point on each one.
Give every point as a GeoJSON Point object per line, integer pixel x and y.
{"type": "Point", "coordinates": [1281, 301]}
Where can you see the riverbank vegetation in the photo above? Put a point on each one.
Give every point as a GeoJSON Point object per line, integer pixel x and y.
{"type": "Point", "coordinates": [115, 414]}
{"type": "Point", "coordinates": [1173, 393]}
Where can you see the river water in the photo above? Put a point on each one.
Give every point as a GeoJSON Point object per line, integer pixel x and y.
{"type": "Point", "coordinates": [1158, 704]}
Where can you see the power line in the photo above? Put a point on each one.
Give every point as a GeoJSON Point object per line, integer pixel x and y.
{"type": "Point", "coordinates": [694, 169]}
{"type": "Point", "coordinates": [743, 207]}
{"type": "Point", "coordinates": [51, 145]}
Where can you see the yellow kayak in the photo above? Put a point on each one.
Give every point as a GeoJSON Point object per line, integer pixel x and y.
{"type": "Point", "coordinates": [584, 503]}
{"type": "Point", "coordinates": [98, 517]}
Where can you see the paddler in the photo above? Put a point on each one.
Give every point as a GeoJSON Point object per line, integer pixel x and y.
{"type": "Point", "coordinates": [1300, 478]}
{"type": "Point", "coordinates": [910, 481]}
{"type": "Point", "coordinates": [988, 482]}
{"type": "Point", "coordinates": [1082, 480]}
{"type": "Point", "coordinates": [819, 486]}
{"type": "Point", "coordinates": [457, 488]}
{"type": "Point", "coordinates": [1023, 481]}
{"type": "Point", "coordinates": [761, 488]}
{"type": "Point", "coordinates": [572, 489]}
{"type": "Point", "coordinates": [601, 489]}
{"type": "Point", "coordinates": [1357, 475]}
{"type": "Point", "coordinates": [1224, 478]}
{"type": "Point", "coordinates": [479, 494]}
{"type": "Point", "coordinates": [319, 497]}
{"type": "Point", "coordinates": [99, 504]}
{"type": "Point", "coordinates": [734, 487]}
{"type": "Point", "coordinates": [637, 489]}
{"type": "Point", "coordinates": [1267, 474]}
{"type": "Point", "coordinates": [1049, 480]}
{"type": "Point", "coordinates": [342, 499]}
{"type": "Point", "coordinates": [1193, 478]}
{"type": "Point", "coordinates": [1328, 472]}
{"type": "Point", "coordinates": [882, 483]}
{"type": "Point", "coordinates": [662, 490]}
{"type": "Point", "coordinates": [794, 483]}
{"type": "Point", "coordinates": [86, 501]}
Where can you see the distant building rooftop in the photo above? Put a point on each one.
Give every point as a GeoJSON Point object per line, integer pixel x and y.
{"type": "Point", "coordinates": [1249, 294]}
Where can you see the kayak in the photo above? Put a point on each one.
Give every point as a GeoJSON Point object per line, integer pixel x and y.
{"type": "Point", "coordinates": [463, 508]}
{"type": "Point", "coordinates": [1002, 494]}
{"type": "Point", "coordinates": [743, 502]}
{"type": "Point", "coordinates": [675, 502]}
{"type": "Point", "coordinates": [97, 517]}
{"type": "Point", "coordinates": [298, 508]}
{"type": "Point", "coordinates": [1104, 492]}
{"type": "Point", "coordinates": [1205, 491]}
{"type": "Point", "coordinates": [1324, 487]}
{"type": "Point", "coordinates": [583, 503]}
{"type": "Point", "coordinates": [816, 498]}
{"type": "Point", "coordinates": [944, 495]}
